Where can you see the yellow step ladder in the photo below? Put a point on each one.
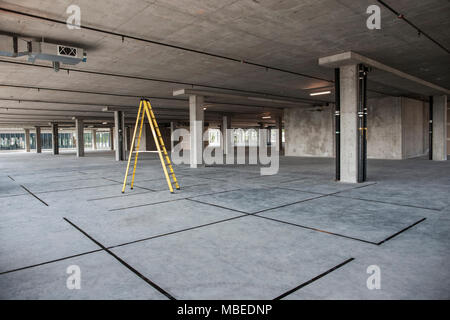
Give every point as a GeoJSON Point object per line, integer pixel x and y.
{"type": "Point", "coordinates": [145, 109]}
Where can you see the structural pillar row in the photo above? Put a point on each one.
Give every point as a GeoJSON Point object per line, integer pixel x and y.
{"type": "Point", "coordinates": [38, 140]}
{"type": "Point", "coordinates": [196, 117]}
{"type": "Point", "coordinates": [439, 147]}
{"type": "Point", "coordinates": [55, 139]}
{"type": "Point", "coordinates": [79, 132]}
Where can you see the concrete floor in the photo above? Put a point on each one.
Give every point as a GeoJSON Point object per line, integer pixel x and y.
{"type": "Point", "coordinates": [228, 234]}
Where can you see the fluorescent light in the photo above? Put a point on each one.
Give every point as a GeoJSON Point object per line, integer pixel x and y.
{"type": "Point", "coordinates": [319, 93]}
{"type": "Point", "coordinates": [266, 117]}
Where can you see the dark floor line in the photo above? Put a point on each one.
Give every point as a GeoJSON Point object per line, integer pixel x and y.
{"type": "Point", "coordinates": [313, 279]}
{"type": "Point", "coordinates": [218, 206]}
{"type": "Point", "coordinates": [34, 195]}
{"type": "Point", "coordinates": [51, 261]}
{"type": "Point", "coordinates": [145, 204]}
{"type": "Point", "coordinates": [177, 231]}
{"type": "Point", "coordinates": [120, 196]}
{"type": "Point", "coordinates": [315, 229]}
{"type": "Point", "coordinates": [72, 189]}
{"type": "Point", "coordinates": [290, 204]}
{"type": "Point", "coordinates": [391, 203]}
{"type": "Point", "coordinates": [358, 187]}
{"type": "Point", "coordinates": [151, 283]}
{"type": "Point", "coordinates": [401, 231]}
{"type": "Point", "coordinates": [312, 192]}
{"type": "Point", "coordinates": [11, 178]}
{"type": "Point", "coordinates": [171, 200]}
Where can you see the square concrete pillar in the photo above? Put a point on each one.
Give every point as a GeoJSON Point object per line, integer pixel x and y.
{"type": "Point", "coordinates": [55, 139]}
{"type": "Point", "coordinates": [440, 128]}
{"type": "Point", "coordinates": [173, 127]}
{"type": "Point", "coordinates": [111, 138]}
{"type": "Point", "coordinates": [226, 139]}
{"type": "Point", "coordinates": [27, 140]}
{"type": "Point", "coordinates": [94, 139]}
{"type": "Point", "coordinates": [119, 128]}
{"type": "Point", "coordinates": [196, 117]}
{"type": "Point", "coordinates": [143, 142]}
{"type": "Point", "coordinates": [280, 134]}
{"type": "Point", "coordinates": [38, 140]}
{"type": "Point", "coordinates": [79, 132]}
{"type": "Point", "coordinates": [349, 123]}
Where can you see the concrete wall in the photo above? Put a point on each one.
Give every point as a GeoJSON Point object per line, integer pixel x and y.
{"type": "Point", "coordinates": [397, 129]}
{"type": "Point", "coordinates": [150, 140]}
{"type": "Point", "coordinates": [309, 132]}
{"type": "Point", "coordinates": [413, 131]}
{"type": "Point", "coordinates": [384, 133]}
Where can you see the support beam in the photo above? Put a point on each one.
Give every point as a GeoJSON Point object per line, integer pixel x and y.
{"type": "Point", "coordinates": [79, 133]}
{"type": "Point", "coordinates": [38, 140]}
{"type": "Point", "coordinates": [439, 128]}
{"type": "Point", "coordinates": [55, 139]}
{"type": "Point", "coordinates": [196, 117]}
{"type": "Point", "coordinates": [226, 139]}
{"type": "Point", "coordinates": [27, 140]}
{"type": "Point", "coordinates": [119, 128]}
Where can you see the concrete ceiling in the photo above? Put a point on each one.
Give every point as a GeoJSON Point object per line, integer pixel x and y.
{"type": "Point", "coordinates": [287, 34]}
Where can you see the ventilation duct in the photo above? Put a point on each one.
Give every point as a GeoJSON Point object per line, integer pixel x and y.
{"type": "Point", "coordinates": [40, 50]}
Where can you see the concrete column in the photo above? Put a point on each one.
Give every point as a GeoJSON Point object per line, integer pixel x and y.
{"type": "Point", "coordinates": [111, 138]}
{"type": "Point", "coordinates": [94, 139]}
{"type": "Point", "coordinates": [143, 142]}
{"type": "Point", "coordinates": [79, 133]}
{"type": "Point", "coordinates": [280, 134]}
{"type": "Point", "coordinates": [440, 128]}
{"type": "Point", "coordinates": [119, 128]}
{"type": "Point", "coordinates": [38, 140]}
{"type": "Point", "coordinates": [226, 140]}
{"type": "Point", "coordinates": [196, 117]}
{"type": "Point", "coordinates": [172, 129]}
{"type": "Point", "coordinates": [27, 140]}
{"type": "Point", "coordinates": [349, 117]}
{"type": "Point", "coordinates": [55, 139]}
{"type": "Point", "coordinates": [262, 141]}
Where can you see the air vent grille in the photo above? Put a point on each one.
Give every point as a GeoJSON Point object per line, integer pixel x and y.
{"type": "Point", "coordinates": [67, 51]}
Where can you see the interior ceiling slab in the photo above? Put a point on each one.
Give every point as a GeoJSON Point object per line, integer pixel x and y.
{"type": "Point", "coordinates": [287, 34]}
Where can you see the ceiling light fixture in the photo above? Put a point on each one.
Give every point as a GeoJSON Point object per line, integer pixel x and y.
{"type": "Point", "coordinates": [319, 93]}
{"type": "Point", "coordinates": [266, 117]}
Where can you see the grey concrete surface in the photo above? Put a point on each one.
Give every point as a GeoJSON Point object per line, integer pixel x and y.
{"type": "Point", "coordinates": [206, 242]}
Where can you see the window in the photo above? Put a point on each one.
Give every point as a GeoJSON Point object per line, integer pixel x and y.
{"type": "Point", "coordinates": [46, 140]}
{"type": "Point", "coordinates": [88, 139]}
{"type": "Point", "coordinates": [12, 141]}
{"type": "Point", "coordinates": [102, 140]}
